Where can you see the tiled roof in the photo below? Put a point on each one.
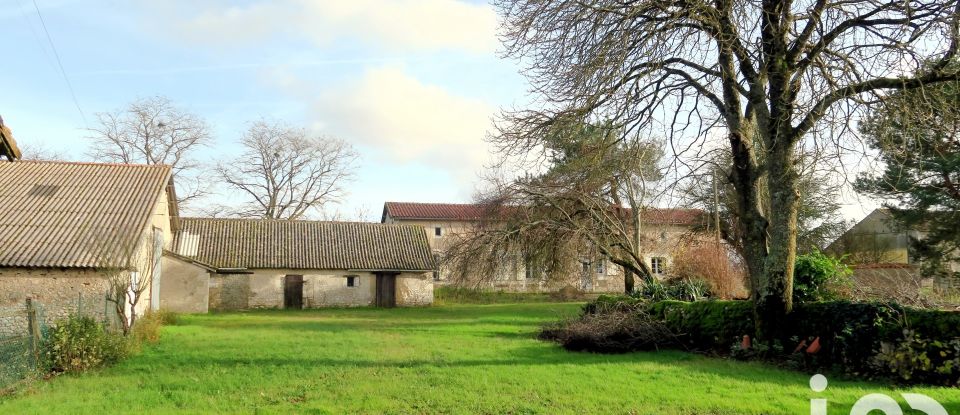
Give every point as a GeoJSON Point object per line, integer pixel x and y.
{"type": "Point", "coordinates": [61, 214]}
{"type": "Point", "coordinates": [467, 212]}
{"type": "Point", "coordinates": [673, 216]}
{"type": "Point", "coordinates": [437, 211]}
{"type": "Point", "coordinates": [264, 243]}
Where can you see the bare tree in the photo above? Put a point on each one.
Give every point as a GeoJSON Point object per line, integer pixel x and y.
{"type": "Point", "coordinates": [40, 152]}
{"type": "Point", "coordinates": [127, 263]}
{"type": "Point", "coordinates": [285, 173]}
{"type": "Point", "coordinates": [589, 203]}
{"type": "Point", "coordinates": [154, 131]}
{"type": "Point", "coordinates": [764, 77]}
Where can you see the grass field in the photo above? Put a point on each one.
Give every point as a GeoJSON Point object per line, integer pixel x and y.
{"type": "Point", "coordinates": [449, 359]}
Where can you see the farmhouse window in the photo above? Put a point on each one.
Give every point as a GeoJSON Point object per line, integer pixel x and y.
{"type": "Point", "coordinates": [437, 231]}
{"type": "Point", "coordinates": [657, 264]}
{"type": "Point", "coordinates": [601, 267]}
{"type": "Point", "coordinates": [352, 281]}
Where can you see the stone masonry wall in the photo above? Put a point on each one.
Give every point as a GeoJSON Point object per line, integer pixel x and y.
{"type": "Point", "coordinates": [414, 289]}
{"type": "Point", "coordinates": [56, 292]}
{"type": "Point", "coordinates": [229, 291]}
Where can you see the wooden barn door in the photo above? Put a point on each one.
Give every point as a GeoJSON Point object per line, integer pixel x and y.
{"type": "Point", "coordinates": [386, 290]}
{"type": "Point", "coordinates": [293, 292]}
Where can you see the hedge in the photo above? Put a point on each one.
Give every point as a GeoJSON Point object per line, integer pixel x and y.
{"type": "Point", "coordinates": [850, 333]}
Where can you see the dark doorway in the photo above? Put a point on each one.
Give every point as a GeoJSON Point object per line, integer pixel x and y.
{"type": "Point", "coordinates": [386, 290]}
{"type": "Point", "coordinates": [293, 292]}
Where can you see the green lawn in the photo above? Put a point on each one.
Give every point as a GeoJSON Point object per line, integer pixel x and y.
{"type": "Point", "coordinates": [449, 359]}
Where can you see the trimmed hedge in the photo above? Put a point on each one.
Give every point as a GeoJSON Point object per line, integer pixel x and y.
{"type": "Point", "coordinates": [850, 333]}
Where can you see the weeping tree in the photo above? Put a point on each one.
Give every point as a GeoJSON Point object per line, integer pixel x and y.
{"type": "Point", "coordinates": [586, 200]}
{"type": "Point", "coordinates": [759, 78]}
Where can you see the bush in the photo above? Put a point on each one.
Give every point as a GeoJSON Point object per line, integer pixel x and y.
{"type": "Point", "coordinates": [609, 303]}
{"type": "Point", "coordinates": [674, 289]}
{"type": "Point", "coordinates": [611, 332]}
{"type": "Point", "coordinates": [917, 359]}
{"type": "Point", "coordinates": [718, 266]}
{"type": "Point", "coordinates": [706, 325]}
{"type": "Point", "coordinates": [820, 277]}
{"type": "Point", "coordinates": [167, 317]}
{"type": "Point", "coordinates": [80, 343]}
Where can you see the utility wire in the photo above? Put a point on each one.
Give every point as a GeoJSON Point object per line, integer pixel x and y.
{"type": "Point", "coordinates": [60, 64]}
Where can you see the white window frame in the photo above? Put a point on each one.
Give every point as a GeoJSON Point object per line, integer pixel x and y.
{"type": "Point", "coordinates": [356, 281]}
{"type": "Point", "coordinates": [657, 265]}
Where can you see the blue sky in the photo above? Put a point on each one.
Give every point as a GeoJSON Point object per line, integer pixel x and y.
{"type": "Point", "coordinates": [413, 85]}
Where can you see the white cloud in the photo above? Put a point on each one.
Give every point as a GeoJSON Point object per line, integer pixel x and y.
{"type": "Point", "coordinates": [409, 121]}
{"type": "Point", "coordinates": [395, 25]}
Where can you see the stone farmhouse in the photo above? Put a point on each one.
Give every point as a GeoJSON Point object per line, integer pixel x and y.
{"type": "Point", "coordinates": [67, 229]}
{"type": "Point", "coordinates": [664, 230]}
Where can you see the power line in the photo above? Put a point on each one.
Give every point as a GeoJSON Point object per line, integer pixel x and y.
{"type": "Point", "coordinates": [60, 64]}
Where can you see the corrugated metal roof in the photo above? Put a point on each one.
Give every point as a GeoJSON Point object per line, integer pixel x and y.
{"type": "Point", "coordinates": [266, 243]}
{"type": "Point", "coordinates": [62, 214]}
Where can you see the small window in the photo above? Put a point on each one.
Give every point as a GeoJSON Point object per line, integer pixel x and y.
{"type": "Point", "coordinates": [586, 266]}
{"type": "Point", "coordinates": [437, 231]}
{"type": "Point", "coordinates": [657, 264]}
{"type": "Point", "coordinates": [352, 281]}
{"type": "Point", "coordinates": [601, 267]}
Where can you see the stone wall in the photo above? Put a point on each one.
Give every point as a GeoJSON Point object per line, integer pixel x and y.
{"type": "Point", "coordinates": [414, 289]}
{"type": "Point", "coordinates": [321, 288]}
{"type": "Point", "coordinates": [185, 287]}
{"type": "Point", "coordinates": [56, 292]}
{"type": "Point", "coordinates": [229, 292]}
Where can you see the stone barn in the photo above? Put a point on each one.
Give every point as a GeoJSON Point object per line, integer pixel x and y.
{"type": "Point", "coordinates": [262, 263]}
{"type": "Point", "coordinates": [65, 228]}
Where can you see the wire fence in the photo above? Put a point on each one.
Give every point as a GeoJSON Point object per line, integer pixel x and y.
{"type": "Point", "coordinates": [24, 328]}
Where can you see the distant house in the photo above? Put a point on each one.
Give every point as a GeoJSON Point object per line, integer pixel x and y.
{"type": "Point", "coordinates": [880, 247]}
{"type": "Point", "coordinates": [64, 227]}
{"type": "Point", "coordinates": [445, 222]}
{"type": "Point", "coordinates": [259, 263]}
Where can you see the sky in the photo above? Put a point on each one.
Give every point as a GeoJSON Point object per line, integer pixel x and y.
{"type": "Point", "coordinates": [413, 85]}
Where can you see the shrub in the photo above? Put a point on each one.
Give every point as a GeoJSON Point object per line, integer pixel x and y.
{"type": "Point", "coordinates": [674, 289]}
{"type": "Point", "coordinates": [653, 290]}
{"type": "Point", "coordinates": [706, 325]}
{"type": "Point", "coordinates": [611, 332]}
{"type": "Point", "coordinates": [720, 267]}
{"type": "Point", "coordinates": [916, 359]}
{"type": "Point", "coordinates": [820, 277]}
{"type": "Point", "coordinates": [609, 303]}
{"type": "Point", "coordinates": [167, 317]}
{"type": "Point", "coordinates": [850, 334]}
{"type": "Point", "coordinates": [79, 343]}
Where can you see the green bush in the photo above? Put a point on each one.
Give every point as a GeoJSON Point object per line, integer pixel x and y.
{"type": "Point", "coordinates": [820, 277]}
{"type": "Point", "coordinates": [167, 317]}
{"type": "Point", "coordinates": [608, 303]}
{"type": "Point", "coordinates": [146, 329]}
{"type": "Point", "coordinates": [706, 325]}
{"type": "Point", "coordinates": [917, 359]}
{"type": "Point", "coordinates": [850, 334]}
{"type": "Point", "coordinates": [684, 289]}
{"type": "Point", "coordinates": [80, 343]}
